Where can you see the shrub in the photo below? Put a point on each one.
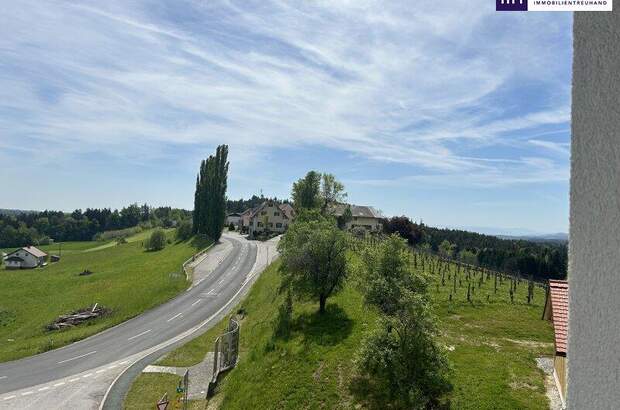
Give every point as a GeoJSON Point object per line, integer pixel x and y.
{"type": "Point", "coordinates": [184, 231]}
{"type": "Point", "coordinates": [157, 241]}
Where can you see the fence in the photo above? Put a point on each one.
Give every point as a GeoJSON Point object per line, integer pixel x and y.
{"type": "Point", "coordinates": [429, 256]}
{"type": "Point", "coordinates": [225, 353]}
{"type": "Point", "coordinates": [189, 270]}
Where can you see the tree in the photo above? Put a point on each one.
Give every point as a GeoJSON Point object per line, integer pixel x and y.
{"type": "Point", "coordinates": [345, 218]}
{"type": "Point", "coordinates": [468, 257]}
{"type": "Point", "coordinates": [405, 360]}
{"type": "Point", "coordinates": [388, 275]}
{"type": "Point", "coordinates": [306, 191]}
{"type": "Point", "coordinates": [405, 228]}
{"type": "Point", "coordinates": [402, 356]}
{"type": "Point", "coordinates": [210, 195]}
{"type": "Point", "coordinates": [313, 254]}
{"type": "Point", "coordinates": [332, 191]}
{"type": "Point", "coordinates": [446, 249]}
{"type": "Point", "coordinates": [184, 230]}
{"type": "Point", "coordinates": [157, 241]}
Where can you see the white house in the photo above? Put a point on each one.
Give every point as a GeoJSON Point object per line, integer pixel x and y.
{"type": "Point", "coordinates": [365, 217]}
{"type": "Point", "coordinates": [25, 258]}
{"type": "Point", "coordinates": [271, 217]}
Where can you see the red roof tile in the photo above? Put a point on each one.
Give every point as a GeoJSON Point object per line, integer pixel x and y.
{"type": "Point", "coordinates": [558, 293]}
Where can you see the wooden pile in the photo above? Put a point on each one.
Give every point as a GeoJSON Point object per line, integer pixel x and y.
{"type": "Point", "coordinates": [77, 317]}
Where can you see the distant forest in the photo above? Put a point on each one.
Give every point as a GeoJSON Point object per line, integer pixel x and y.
{"type": "Point", "coordinates": [542, 260]}
{"type": "Point", "coordinates": [240, 205]}
{"type": "Point", "coordinates": [21, 228]}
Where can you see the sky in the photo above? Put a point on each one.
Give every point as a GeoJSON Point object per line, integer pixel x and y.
{"type": "Point", "coordinates": [447, 112]}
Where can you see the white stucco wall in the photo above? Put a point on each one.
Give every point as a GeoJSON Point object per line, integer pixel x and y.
{"type": "Point", "coordinates": [594, 259]}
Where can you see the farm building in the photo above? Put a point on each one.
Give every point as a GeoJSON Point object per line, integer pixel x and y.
{"type": "Point", "coordinates": [25, 258]}
{"type": "Point", "coordinates": [365, 217]}
{"type": "Point", "coordinates": [234, 218]}
{"type": "Point", "coordinates": [556, 310]}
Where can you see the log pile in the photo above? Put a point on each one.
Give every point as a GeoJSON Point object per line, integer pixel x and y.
{"type": "Point", "coordinates": [77, 317]}
{"type": "Point", "coordinates": [85, 272]}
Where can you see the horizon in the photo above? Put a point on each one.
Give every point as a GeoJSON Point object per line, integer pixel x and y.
{"type": "Point", "coordinates": [418, 111]}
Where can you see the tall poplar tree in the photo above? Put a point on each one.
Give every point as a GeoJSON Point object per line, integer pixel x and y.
{"type": "Point", "coordinates": [210, 195]}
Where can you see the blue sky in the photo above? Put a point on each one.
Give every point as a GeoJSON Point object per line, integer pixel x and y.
{"type": "Point", "coordinates": [447, 112]}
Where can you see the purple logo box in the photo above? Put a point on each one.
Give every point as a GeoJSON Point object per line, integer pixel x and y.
{"type": "Point", "coordinates": [511, 5]}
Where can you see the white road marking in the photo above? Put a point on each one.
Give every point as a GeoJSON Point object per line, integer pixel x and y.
{"type": "Point", "coordinates": [174, 317]}
{"type": "Point", "coordinates": [73, 380]}
{"type": "Point", "coordinates": [59, 384]}
{"type": "Point", "coordinates": [140, 334]}
{"type": "Point", "coordinates": [27, 393]}
{"type": "Point", "coordinates": [100, 371]}
{"type": "Point", "coordinates": [124, 362]}
{"type": "Point", "coordinates": [2, 377]}
{"type": "Point", "coordinates": [87, 375]}
{"type": "Point", "coordinates": [112, 367]}
{"type": "Point", "coordinates": [44, 388]}
{"type": "Point", "coordinates": [9, 397]}
{"type": "Point", "coordinates": [193, 304]}
{"type": "Point", "coordinates": [77, 357]}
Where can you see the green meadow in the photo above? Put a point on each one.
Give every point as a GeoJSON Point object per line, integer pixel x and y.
{"type": "Point", "coordinates": [126, 279]}
{"type": "Point", "coordinates": [492, 343]}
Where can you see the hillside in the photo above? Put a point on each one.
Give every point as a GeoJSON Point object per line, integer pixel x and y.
{"type": "Point", "coordinates": [30, 299]}
{"type": "Point", "coordinates": [492, 346]}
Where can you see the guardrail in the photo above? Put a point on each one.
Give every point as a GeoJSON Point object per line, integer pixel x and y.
{"type": "Point", "coordinates": [189, 270]}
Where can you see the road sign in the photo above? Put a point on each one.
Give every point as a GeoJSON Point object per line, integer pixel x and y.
{"type": "Point", "coordinates": [162, 404]}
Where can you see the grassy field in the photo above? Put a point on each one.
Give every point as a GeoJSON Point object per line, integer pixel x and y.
{"type": "Point", "coordinates": [126, 279]}
{"type": "Point", "coordinates": [492, 345]}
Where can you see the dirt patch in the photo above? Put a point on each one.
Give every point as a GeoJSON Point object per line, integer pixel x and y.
{"type": "Point", "coordinates": [520, 385]}
{"type": "Point", "coordinates": [532, 344]}
{"type": "Point", "coordinates": [78, 317]}
{"type": "Point", "coordinates": [317, 374]}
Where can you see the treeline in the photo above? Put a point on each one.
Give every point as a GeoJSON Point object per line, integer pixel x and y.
{"type": "Point", "coordinates": [240, 205]}
{"type": "Point", "coordinates": [543, 260]}
{"type": "Point", "coordinates": [39, 228]}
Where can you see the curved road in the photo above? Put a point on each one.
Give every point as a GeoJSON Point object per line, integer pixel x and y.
{"type": "Point", "coordinates": [177, 318]}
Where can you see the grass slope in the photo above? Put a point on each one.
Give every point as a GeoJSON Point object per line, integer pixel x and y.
{"type": "Point", "coordinates": [492, 345]}
{"type": "Point", "coordinates": [126, 279]}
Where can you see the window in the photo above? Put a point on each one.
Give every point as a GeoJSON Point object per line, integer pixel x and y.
{"type": "Point", "coordinates": [259, 224]}
{"type": "Point", "coordinates": [276, 213]}
{"type": "Point", "coordinates": [251, 223]}
{"type": "Point", "coordinates": [355, 218]}
{"type": "Point", "coordinates": [278, 225]}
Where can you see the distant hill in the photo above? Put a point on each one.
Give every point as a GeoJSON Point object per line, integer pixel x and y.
{"type": "Point", "coordinates": [552, 237]}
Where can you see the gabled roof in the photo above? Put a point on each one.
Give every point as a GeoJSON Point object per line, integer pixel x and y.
{"type": "Point", "coordinates": [288, 210]}
{"type": "Point", "coordinates": [37, 253]}
{"type": "Point", "coordinates": [259, 208]}
{"type": "Point", "coordinates": [234, 214]}
{"type": "Point", "coordinates": [558, 297]}
{"type": "Point", "coordinates": [357, 210]}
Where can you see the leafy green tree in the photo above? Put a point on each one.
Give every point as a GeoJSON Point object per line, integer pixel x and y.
{"type": "Point", "coordinates": [306, 191]}
{"type": "Point", "coordinates": [345, 218]}
{"type": "Point", "coordinates": [388, 275]}
{"type": "Point", "coordinates": [468, 257]}
{"type": "Point", "coordinates": [405, 360]}
{"type": "Point", "coordinates": [402, 356]}
{"type": "Point", "coordinates": [332, 191]}
{"type": "Point", "coordinates": [157, 241]}
{"type": "Point", "coordinates": [314, 260]}
{"type": "Point", "coordinates": [446, 249]}
{"type": "Point", "coordinates": [184, 231]}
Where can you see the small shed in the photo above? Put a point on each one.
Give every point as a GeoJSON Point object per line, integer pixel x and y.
{"type": "Point", "coordinates": [25, 258]}
{"type": "Point", "coordinates": [233, 218]}
{"type": "Point", "coordinates": [556, 310]}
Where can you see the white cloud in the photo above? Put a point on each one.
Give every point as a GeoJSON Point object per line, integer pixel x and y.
{"type": "Point", "coordinates": [399, 83]}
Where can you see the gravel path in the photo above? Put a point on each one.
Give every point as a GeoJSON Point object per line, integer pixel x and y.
{"type": "Point", "coordinates": [546, 364]}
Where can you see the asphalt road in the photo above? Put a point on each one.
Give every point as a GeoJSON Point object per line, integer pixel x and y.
{"type": "Point", "coordinates": [141, 333]}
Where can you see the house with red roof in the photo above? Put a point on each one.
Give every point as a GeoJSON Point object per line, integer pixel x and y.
{"type": "Point", "coordinates": [25, 258]}
{"type": "Point", "coordinates": [556, 310]}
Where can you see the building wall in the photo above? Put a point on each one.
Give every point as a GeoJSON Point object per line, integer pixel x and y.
{"type": "Point", "coordinates": [594, 257]}
{"type": "Point", "coordinates": [30, 261]}
{"type": "Point", "coordinates": [559, 366]}
{"type": "Point", "coordinates": [275, 216]}
{"type": "Point", "coordinates": [374, 223]}
{"type": "Point", "coordinates": [233, 219]}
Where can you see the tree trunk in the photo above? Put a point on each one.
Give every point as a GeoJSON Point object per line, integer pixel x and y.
{"type": "Point", "coordinates": [322, 301]}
